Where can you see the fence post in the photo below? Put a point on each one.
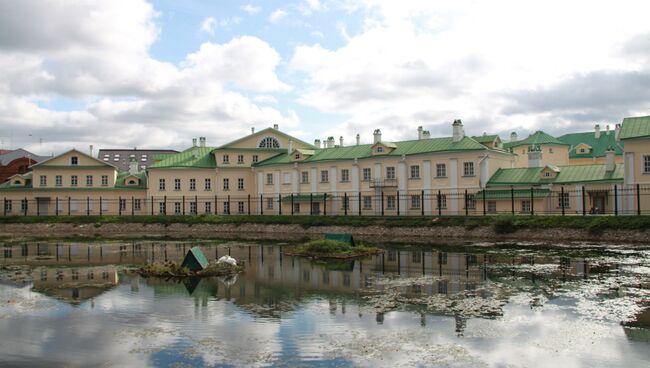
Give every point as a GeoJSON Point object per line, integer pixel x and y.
{"type": "Point", "coordinates": [382, 203]}
{"type": "Point", "coordinates": [229, 209]}
{"type": "Point", "coordinates": [466, 209]}
{"type": "Point", "coordinates": [359, 202]}
{"type": "Point", "coordinates": [216, 205]}
{"type": "Point", "coordinates": [512, 200]}
{"type": "Point", "coordinates": [615, 200]}
{"type": "Point", "coordinates": [26, 205]}
{"type": "Point", "coordinates": [291, 204]}
{"type": "Point", "coordinates": [280, 204]}
{"type": "Point", "coordinates": [439, 203]}
{"type": "Point", "coordinates": [562, 202]}
{"type": "Point", "coordinates": [151, 205]}
{"type": "Point", "coordinates": [165, 205]}
{"type": "Point", "coordinates": [4, 206]}
{"type": "Point", "coordinates": [68, 205]}
{"type": "Point", "coordinates": [345, 203]}
{"type": "Point", "coordinates": [397, 197]}
{"type": "Point", "coordinates": [132, 206]}
{"type": "Point", "coordinates": [532, 202]}
{"type": "Point", "coordinates": [422, 202]}
{"type": "Point", "coordinates": [196, 204]}
{"type": "Point", "coordinates": [584, 203]}
{"type": "Point", "coordinates": [638, 199]}
{"type": "Point", "coordinates": [311, 204]}
{"type": "Point", "coordinates": [56, 206]}
{"type": "Point", "coordinates": [324, 204]}
{"type": "Point", "coordinates": [87, 206]}
{"type": "Point", "coordinates": [261, 204]}
{"type": "Point", "coordinates": [249, 205]}
{"type": "Point", "coordinates": [484, 210]}
{"type": "Point", "coordinates": [183, 200]}
{"type": "Point", "coordinates": [119, 206]}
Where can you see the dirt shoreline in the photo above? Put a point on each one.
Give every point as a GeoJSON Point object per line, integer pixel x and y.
{"type": "Point", "coordinates": [369, 234]}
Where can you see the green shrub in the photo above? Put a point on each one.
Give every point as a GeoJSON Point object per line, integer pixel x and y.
{"type": "Point", "coordinates": [504, 225]}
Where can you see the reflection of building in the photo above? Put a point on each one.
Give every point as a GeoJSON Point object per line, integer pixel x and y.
{"type": "Point", "coordinates": [74, 284]}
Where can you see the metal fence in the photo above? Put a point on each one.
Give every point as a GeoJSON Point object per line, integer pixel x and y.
{"type": "Point", "coordinates": [614, 199]}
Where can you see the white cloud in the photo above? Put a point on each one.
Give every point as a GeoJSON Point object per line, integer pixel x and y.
{"type": "Point", "coordinates": [251, 9]}
{"type": "Point", "coordinates": [208, 25]}
{"type": "Point", "coordinates": [317, 34]}
{"type": "Point", "coordinates": [277, 15]}
{"type": "Point", "coordinates": [265, 99]}
{"type": "Point", "coordinates": [308, 7]}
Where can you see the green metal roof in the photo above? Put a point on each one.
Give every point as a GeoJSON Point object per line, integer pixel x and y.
{"type": "Point", "coordinates": [635, 127]}
{"type": "Point", "coordinates": [365, 150]}
{"type": "Point", "coordinates": [516, 193]}
{"type": "Point", "coordinates": [485, 138]}
{"type": "Point", "coordinates": [119, 181]}
{"type": "Point", "coordinates": [598, 145]}
{"type": "Point", "coordinates": [187, 159]}
{"type": "Point", "coordinates": [539, 137]}
{"type": "Point", "coordinates": [567, 174]}
{"type": "Point", "coordinates": [119, 184]}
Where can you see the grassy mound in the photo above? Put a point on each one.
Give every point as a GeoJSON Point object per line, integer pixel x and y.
{"type": "Point", "coordinates": [170, 269]}
{"type": "Point", "coordinates": [333, 249]}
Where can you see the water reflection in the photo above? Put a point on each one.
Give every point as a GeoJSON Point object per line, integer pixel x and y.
{"type": "Point", "coordinates": [436, 306]}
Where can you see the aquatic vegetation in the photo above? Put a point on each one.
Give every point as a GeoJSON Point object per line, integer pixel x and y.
{"type": "Point", "coordinates": [324, 248]}
{"type": "Point", "coordinates": [173, 269]}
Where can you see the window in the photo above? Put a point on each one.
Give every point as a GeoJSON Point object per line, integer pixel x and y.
{"type": "Point", "coordinates": [74, 160]}
{"type": "Point", "coordinates": [73, 181]}
{"type": "Point", "coordinates": [58, 180]}
{"type": "Point", "coordinates": [367, 202]}
{"type": "Point", "coordinates": [162, 208]}
{"type": "Point", "coordinates": [380, 149]}
{"type": "Point", "coordinates": [390, 202]}
{"type": "Point", "coordinates": [240, 184]}
{"type": "Point", "coordinates": [192, 184]}
{"type": "Point", "coordinates": [390, 172]}
{"type": "Point", "coordinates": [193, 209]}
{"type": "Point", "coordinates": [441, 170]}
{"type": "Point", "coordinates": [269, 142]}
{"type": "Point", "coordinates": [240, 159]}
{"type": "Point", "coordinates": [415, 201]}
{"type": "Point", "coordinates": [304, 177]}
{"type": "Point", "coordinates": [582, 150]}
{"type": "Point", "coordinates": [226, 184]}
{"type": "Point", "coordinates": [415, 171]}
{"type": "Point", "coordinates": [104, 180]}
{"type": "Point", "coordinates": [441, 201]}
{"type": "Point", "coordinates": [345, 175]}
{"type": "Point", "coordinates": [296, 208]}
{"type": "Point", "coordinates": [177, 208]}
{"type": "Point", "coordinates": [255, 158]}
{"type": "Point", "coordinates": [492, 207]}
{"type": "Point", "coordinates": [240, 207]}
{"type": "Point", "coordinates": [161, 185]}
{"type": "Point", "coordinates": [89, 180]}
{"type": "Point", "coordinates": [226, 159]}
{"type": "Point", "coordinates": [23, 205]}
{"type": "Point", "coordinates": [122, 204]}
{"type": "Point", "coordinates": [367, 174]}
{"type": "Point", "coordinates": [547, 174]}
{"type": "Point", "coordinates": [137, 204]}
{"type": "Point", "coordinates": [269, 179]}
{"type": "Point", "coordinates": [208, 207]}
{"type": "Point", "coordinates": [177, 184]}
{"type": "Point", "coordinates": [324, 176]}
{"type": "Point", "coordinates": [208, 185]}
{"type": "Point", "coordinates": [43, 180]}
{"type": "Point", "coordinates": [468, 168]}
{"type": "Point", "coordinates": [525, 206]}
{"type": "Point", "coordinates": [269, 203]}
{"type": "Point", "coordinates": [226, 208]}
{"type": "Point", "coordinates": [563, 200]}
{"type": "Point", "coordinates": [8, 205]}
{"type": "Point", "coordinates": [646, 164]}
{"type": "Point", "coordinates": [470, 202]}
{"type": "Point", "coordinates": [297, 156]}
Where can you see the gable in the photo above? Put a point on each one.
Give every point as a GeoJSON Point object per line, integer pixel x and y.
{"type": "Point", "coordinates": [583, 149]}
{"type": "Point", "coordinates": [382, 148]}
{"type": "Point", "coordinates": [271, 137]}
{"type": "Point", "coordinates": [68, 159]}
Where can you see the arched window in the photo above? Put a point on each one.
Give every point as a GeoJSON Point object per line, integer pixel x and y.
{"type": "Point", "coordinates": [17, 182]}
{"type": "Point", "coordinates": [131, 182]}
{"type": "Point", "coordinates": [269, 142]}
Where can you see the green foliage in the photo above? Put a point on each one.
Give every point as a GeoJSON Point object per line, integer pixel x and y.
{"type": "Point", "coordinates": [505, 224]}
{"type": "Point", "coordinates": [324, 247]}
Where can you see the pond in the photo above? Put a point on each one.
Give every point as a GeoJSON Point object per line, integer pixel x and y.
{"type": "Point", "coordinates": [492, 305]}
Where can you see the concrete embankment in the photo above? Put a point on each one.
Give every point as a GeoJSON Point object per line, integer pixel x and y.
{"type": "Point", "coordinates": [371, 234]}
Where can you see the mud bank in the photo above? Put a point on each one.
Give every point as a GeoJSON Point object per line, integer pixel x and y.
{"type": "Point", "coordinates": [370, 234]}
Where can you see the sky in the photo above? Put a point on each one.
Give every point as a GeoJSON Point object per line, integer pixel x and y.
{"type": "Point", "coordinates": [155, 74]}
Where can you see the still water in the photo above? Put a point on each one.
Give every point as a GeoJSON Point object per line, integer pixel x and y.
{"type": "Point", "coordinates": [494, 305]}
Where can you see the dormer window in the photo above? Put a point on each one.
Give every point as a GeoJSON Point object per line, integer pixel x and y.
{"type": "Point", "coordinates": [547, 174]}
{"type": "Point", "coordinates": [582, 150]}
{"type": "Point", "coordinates": [17, 182]}
{"type": "Point", "coordinates": [74, 160]}
{"type": "Point", "coordinates": [297, 156]}
{"type": "Point", "coordinates": [380, 149]}
{"type": "Point", "coordinates": [131, 182]}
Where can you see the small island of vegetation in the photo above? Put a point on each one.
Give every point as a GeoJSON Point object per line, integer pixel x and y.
{"type": "Point", "coordinates": [170, 269]}
{"type": "Point", "coordinates": [324, 248]}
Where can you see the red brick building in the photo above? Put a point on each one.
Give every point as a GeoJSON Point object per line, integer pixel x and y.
{"type": "Point", "coordinates": [17, 161]}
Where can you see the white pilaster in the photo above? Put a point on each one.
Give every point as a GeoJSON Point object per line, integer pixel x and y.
{"type": "Point", "coordinates": [314, 180]}
{"type": "Point", "coordinates": [426, 185]}
{"type": "Point", "coordinates": [578, 198]}
{"type": "Point", "coordinates": [402, 186]}
{"type": "Point", "coordinates": [260, 190]}
{"type": "Point", "coordinates": [455, 199]}
{"type": "Point", "coordinates": [333, 180]}
{"type": "Point", "coordinates": [354, 202]}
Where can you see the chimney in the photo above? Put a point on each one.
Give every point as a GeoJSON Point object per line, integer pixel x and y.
{"type": "Point", "coordinates": [611, 155]}
{"type": "Point", "coordinates": [617, 131]}
{"type": "Point", "coordinates": [253, 130]}
{"type": "Point", "coordinates": [133, 166]}
{"type": "Point", "coordinates": [202, 141]}
{"type": "Point", "coordinates": [420, 132]}
{"type": "Point", "coordinates": [275, 126]}
{"type": "Point", "coordinates": [513, 137]}
{"type": "Point", "coordinates": [317, 143]}
{"type": "Point", "coordinates": [195, 152]}
{"type": "Point", "coordinates": [91, 150]}
{"type": "Point", "coordinates": [534, 156]}
{"type": "Point", "coordinates": [458, 132]}
{"type": "Point", "coordinates": [341, 141]}
{"type": "Point", "coordinates": [597, 131]}
{"type": "Point", "coordinates": [426, 134]}
{"type": "Point", "coordinates": [330, 142]}
{"type": "Point", "coordinates": [607, 129]}
{"type": "Point", "coordinates": [193, 142]}
{"type": "Point", "coordinates": [377, 136]}
{"type": "Point", "coordinates": [358, 139]}
{"type": "Point", "coordinates": [290, 147]}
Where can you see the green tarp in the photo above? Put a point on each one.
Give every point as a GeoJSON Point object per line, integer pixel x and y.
{"type": "Point", "coordinates": [345, 238]}
{"type": "Point", "coordinates": [195, 260]}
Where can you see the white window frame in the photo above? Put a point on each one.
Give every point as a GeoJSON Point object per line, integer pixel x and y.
{"type": "Point", "coordinates": [226, 184]}
{"type": "Point", "coordinates": [324, 176]}
{"type": "Point", "coordinates": [192, 184]}
{"type": "Point", "coordinates": [367, 174]}
{"type": "Point", "coordinates": [441, 170]}
{"type": "Point", "coordinates": [177, 184]}
{"type": "Point", "coordinates": [304, 176]}
{"type": "Point", "coordinates": [415, 171]}
{"type": "Point", "coordinates": [345, 175]}
{"type": "Point", "coordinates": [468, 168]}
{"type": "Point", "coordinates": [161, 185]}
{"type": "Point", "coordinates": [390, 172]}
{"type": "Point", "coordinates": [240, 183]}
{"type": "Point", "coordinates": [207, 184]}
{"type": "Point", "coordinates": [269, 179]}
